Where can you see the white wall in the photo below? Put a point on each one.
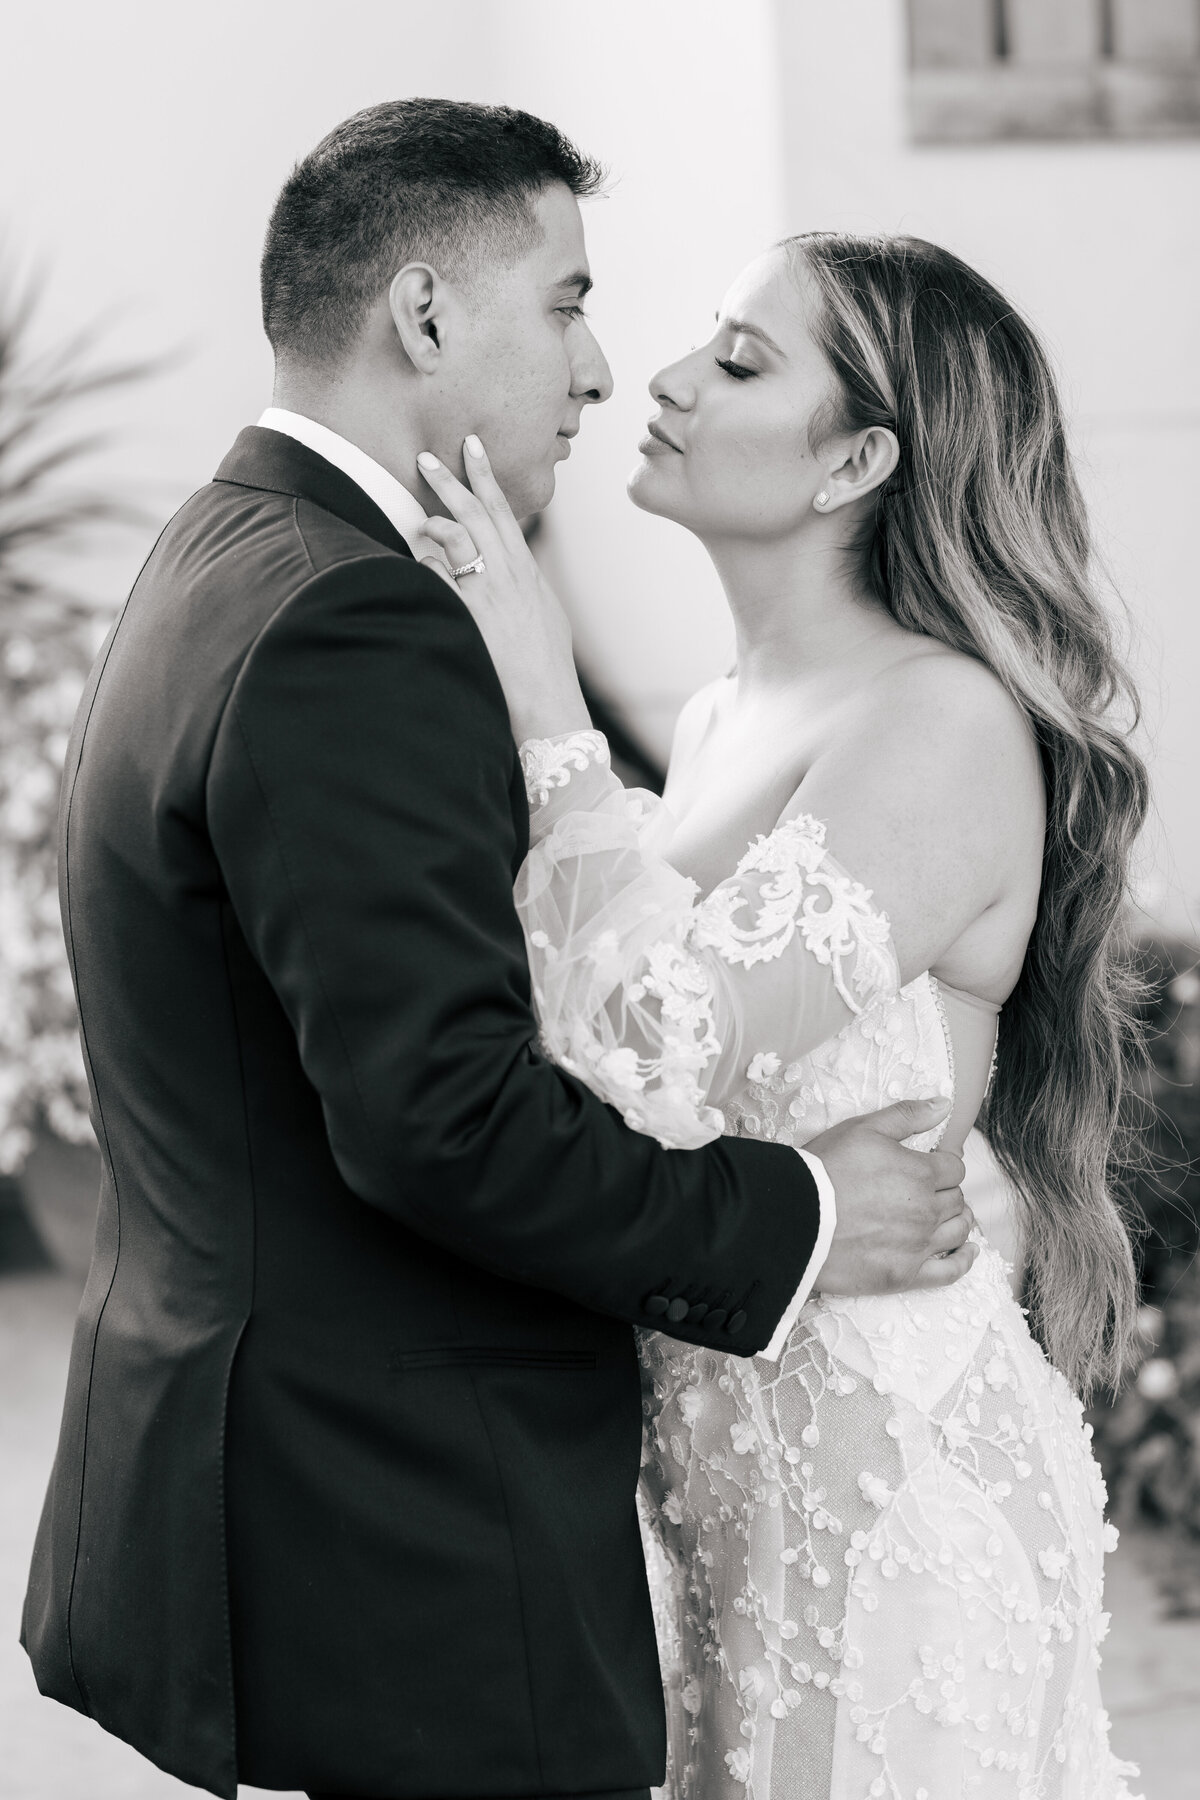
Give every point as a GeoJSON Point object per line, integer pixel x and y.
{"type": "Point", "coordinates": [681, 100]}
{"type": "Point", "coordinates": [141, 146]}
{"type": "Point", "coordinates": [1099, 244]}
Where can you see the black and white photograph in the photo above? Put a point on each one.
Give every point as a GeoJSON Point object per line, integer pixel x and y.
{"type": "Point", "coordinates": [600, 900]}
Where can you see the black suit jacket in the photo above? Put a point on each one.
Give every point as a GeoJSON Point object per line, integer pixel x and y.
{"type": "Point", "coordinates": [344, 1496]}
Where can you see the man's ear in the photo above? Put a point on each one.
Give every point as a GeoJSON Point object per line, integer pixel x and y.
{"type": "Point", "coordinates": [417, 299]}
{"type": "Point", "coordinates": [871, 456]}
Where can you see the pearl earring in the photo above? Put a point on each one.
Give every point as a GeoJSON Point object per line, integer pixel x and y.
{"type": "Point", "coordinates": [822, 499]}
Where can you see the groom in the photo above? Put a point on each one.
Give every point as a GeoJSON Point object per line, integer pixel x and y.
{"type": "Point", "coordinates": [344, 1494]}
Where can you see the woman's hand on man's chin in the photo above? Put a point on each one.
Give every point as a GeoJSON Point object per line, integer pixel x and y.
{"type": "Point", "coordinates": [517, 612]}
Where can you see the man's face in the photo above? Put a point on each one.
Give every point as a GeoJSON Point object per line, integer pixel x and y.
{"type": "Point", "coordinates": [522, 363]}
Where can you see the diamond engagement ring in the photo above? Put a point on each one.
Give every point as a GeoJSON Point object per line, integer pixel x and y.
{"type": "Point", "coordinates": [472, 568]}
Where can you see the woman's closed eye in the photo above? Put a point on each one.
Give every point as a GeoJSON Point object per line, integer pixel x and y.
{"type": "Point", "coordinates": [739, 371]}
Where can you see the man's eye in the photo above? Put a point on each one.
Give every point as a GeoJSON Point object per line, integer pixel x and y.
{"type": "Point", "coordinates": [572, 312]}
{"type": "Point", "coordinates": [737, 370]}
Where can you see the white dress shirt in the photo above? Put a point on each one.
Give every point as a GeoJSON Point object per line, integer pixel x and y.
{"type": "Point", "coordinates": [391, 496]}
{"type": "Point", "coordinates": [408, 516]}
{"type": "Point", "coordinates": [826, 1227]}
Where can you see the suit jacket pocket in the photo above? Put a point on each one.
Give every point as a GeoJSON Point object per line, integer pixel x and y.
{"type": "Point", "coordinates": [489, 1356]}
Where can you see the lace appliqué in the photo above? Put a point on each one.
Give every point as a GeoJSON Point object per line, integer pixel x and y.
{"type": "Point", "coordinates": [883, 1554]}
{"type": "Point", "coordinates": [549, 762]}
{"type": "Point", "coordinates": [880, 1593]}
{"type": "Point", "coordinates": [660, 1094]}
{"type": "Point", "coordinates": [877, 1563]}
{"type": "Point", "coordinates": [804, 874]}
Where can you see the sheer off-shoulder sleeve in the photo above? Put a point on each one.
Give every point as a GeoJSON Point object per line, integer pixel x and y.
{"type": "Point", "coordinates": [664, 1001]}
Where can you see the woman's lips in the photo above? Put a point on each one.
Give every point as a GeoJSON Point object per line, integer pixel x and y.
{"type": "Point", "coordinates": [657, 443]}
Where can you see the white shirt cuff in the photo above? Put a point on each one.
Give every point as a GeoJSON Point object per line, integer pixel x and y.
{"type": "Point", "coordinates": [816, 1262]}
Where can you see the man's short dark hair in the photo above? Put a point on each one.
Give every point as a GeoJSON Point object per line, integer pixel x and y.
{"type": "Point", "coordinates": [437, 181]}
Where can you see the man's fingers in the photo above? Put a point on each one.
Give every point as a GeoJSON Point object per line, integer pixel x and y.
{"type": "Point", "coordinates": [949, 1170]}
{"type": "Point", "coordinates": [951, 1205]}
{"type": "Point", "coordinates": [906, 1118]}
{"type": "Point", "coordinates": [944, 1271]}
{"type": "Point", "coordinates": [951, 1234]}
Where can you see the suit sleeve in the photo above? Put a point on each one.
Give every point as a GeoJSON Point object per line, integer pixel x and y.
{"type": "Point", "coordinates": [360, 804]}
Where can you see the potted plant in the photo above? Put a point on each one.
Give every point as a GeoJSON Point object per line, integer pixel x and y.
{"type": "Point", "coordinates": [49, 634]}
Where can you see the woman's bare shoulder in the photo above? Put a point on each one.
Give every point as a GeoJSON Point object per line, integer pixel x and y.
{"type": "Point", "coordinates": [935, 672]}
{"type": "Point", "coordinates": [938, 701]}
{"type": "Point", "coordinates": [695, 716]}
{"type": "Point", "coordinates": [932, 791]}
{"type": "Point", "coordinates": [935, 763]}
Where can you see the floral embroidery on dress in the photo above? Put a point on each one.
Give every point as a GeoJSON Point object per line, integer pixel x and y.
{"type": "Point", "coordinates": [804, 876]}
{"type": "Point", "coordinates": [549, 762]}
{"type": "Point", "coordinates": [660, 1092]}
{"type": "Point", "coordinates": [876, 1564]}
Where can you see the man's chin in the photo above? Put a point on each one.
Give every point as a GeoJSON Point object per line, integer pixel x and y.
{"type": "Point", "coordinates": [531, 494]}
{"type": "Point", "coordinates": [527, 488]}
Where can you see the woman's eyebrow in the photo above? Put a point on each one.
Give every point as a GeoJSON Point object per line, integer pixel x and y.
{"type": "Point", "coordinates": [743, 328]}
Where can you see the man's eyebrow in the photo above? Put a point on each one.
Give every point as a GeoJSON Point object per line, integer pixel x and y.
{"type": "Point", "coordinates": [580, 279]}
{"type": "Point", "coordinates": [743, 328]}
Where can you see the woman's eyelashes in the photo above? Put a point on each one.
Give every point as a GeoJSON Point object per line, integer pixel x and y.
{"type": "Point", "coordinates": [739, 371]}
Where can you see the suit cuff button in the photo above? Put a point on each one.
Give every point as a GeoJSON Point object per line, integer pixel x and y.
{"type": "Point", "coordinates": [716, 1318]}
{"type": "Point", "coordinates": [696, 1313]}
{"type": "Point", "coordinates": [656, 1306]}
{"type": "Point", "coordinates": [736, 1322]}
{"type": "Point", "coordinates": [677, 1312]}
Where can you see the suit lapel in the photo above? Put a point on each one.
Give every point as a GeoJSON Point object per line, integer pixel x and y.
{"type": "Point", "coordinates": [268, 459]}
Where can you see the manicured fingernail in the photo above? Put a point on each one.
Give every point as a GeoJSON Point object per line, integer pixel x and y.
{"type": "Point", "coordinates": [474, 447]}
{"type": "Point", "coordinates": [428, 460]}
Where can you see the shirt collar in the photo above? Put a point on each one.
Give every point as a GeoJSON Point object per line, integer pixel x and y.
{"type": "Point", "coordinates": [392, 498]}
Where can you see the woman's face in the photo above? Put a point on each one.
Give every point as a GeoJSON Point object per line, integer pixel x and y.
{"type": "Point", "coordinates": [728, 454]}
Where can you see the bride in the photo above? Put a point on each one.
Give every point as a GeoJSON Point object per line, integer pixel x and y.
{"type": "Point", "coordinates": [890, 860]}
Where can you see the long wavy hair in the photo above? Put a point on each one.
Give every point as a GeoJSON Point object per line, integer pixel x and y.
{"type": "Point", "coordinates": [980, 538]}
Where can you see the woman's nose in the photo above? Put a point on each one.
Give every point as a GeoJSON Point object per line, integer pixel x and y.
{"type": "Point", "coordinates": [675, 386]}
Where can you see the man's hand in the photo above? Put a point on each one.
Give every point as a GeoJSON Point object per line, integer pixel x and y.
{"type": "Point", "coordinates": [901, 1218]}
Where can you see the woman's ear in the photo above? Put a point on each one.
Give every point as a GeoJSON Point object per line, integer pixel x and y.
{"type": "Point", "coordinates": [417, 299]}
{"type": "Point", "coordinates": [871, 456]}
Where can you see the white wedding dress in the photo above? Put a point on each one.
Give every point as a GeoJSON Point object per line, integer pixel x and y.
{"type": "Point", "coordinates": [876, 1562]}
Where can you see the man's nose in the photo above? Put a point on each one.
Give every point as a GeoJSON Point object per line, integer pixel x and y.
{"type": "Point", "coordinates": [591, 377]}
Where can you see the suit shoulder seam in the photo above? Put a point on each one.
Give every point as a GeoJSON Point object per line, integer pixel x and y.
{"type": "Point", "coordinates": [304, 545]}
{"type": "Point", "coordinates": [277, 612]}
